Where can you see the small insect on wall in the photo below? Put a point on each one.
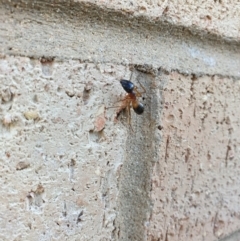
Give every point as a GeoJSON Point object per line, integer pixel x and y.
{"type": "Point", "coordinates": [131, 99]}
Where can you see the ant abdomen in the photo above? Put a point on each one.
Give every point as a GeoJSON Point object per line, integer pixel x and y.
{"type": "Point", "coordinates": [139, 108]}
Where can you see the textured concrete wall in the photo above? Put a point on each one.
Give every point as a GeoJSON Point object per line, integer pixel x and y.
{"type": "Point", "coordinates": [195, 184]}
{"type": "Point", "coordinates": [214, 17]}
{"type": "Point", "coordinates": [72, 168]}
{"type": "Point", "coordinates": [59, 170]}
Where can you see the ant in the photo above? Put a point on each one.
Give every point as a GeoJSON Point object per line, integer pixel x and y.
{"type": "Point", "coordinates": [130, 99]}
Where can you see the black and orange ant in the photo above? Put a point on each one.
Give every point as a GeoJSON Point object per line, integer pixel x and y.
{"type": "Point", "coordinates": [131, 99]}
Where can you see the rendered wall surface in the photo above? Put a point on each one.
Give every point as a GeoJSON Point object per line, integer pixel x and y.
{"type": "Point", "coordinates": [195, 183]}
{"type": "Point", "coordinates": [74, 169]}
{"type": "Point", "coordinates": [215, 17]}
{"type": "Point", "coordinates": [59, 171]}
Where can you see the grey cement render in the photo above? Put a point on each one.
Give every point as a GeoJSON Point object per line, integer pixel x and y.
{"type": "Point", "coordinates": [86, 32]}
{"type": "Point", "coordinates": [59, 32]}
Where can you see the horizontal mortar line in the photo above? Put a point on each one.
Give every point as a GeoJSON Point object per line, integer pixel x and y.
{"type": "Point", "coordinates": [48, 53]}
{"type": "Point", "coordinates": [106, 41]}
{"type": "Point", "coordinates": [81, 61]}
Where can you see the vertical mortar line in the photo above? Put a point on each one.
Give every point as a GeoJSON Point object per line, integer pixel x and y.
{"type": "Point", "coordinates": [135, 182]}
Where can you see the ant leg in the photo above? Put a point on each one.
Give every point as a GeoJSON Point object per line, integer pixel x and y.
{"type": "Point", "coordinates": [138, 93]}
{"type": "Point", "coordinates": [113, 107]}
{"type": "Point", "coordinates": [129, 115]}
{"type": "Point", "coordinates": [126, 98]}
{"type": "Point", "coordinates": [131, 76]}
{"type": "Point", "coordinates": [124, 105]}
{"type": "Point", "coordinates": [144, 90]}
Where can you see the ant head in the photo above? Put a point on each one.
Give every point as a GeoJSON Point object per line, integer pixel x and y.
{"type": "Point", "coordinates": [127, 85]}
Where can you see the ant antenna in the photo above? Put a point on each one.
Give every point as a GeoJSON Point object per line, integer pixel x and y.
{"type": "Point", "coordinates": [131, 75]}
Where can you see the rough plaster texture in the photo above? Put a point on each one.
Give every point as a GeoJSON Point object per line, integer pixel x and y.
{"type": "Point", "coordinates": [219, 17]}
{"type": "Point", "coordinates": [62, 179]}
{"type": "Point", "coordinates": [71, 170]}
{"type": "Point", "coordinates": [196, 181]}
{"type": "Point", "coordinates": [67, 30]}
{"type": "Point", "coordinates": [54, 165]}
